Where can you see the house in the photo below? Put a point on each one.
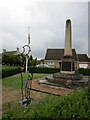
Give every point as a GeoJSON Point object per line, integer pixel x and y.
{"type": "Point", "coordinates": [83, 61]}
{"type": "Point", "coordinates": [54, 57]}
{"type": "Point", "coordinates": [11, 57]}
{"type": "Point", "coordinates": [17, 52]}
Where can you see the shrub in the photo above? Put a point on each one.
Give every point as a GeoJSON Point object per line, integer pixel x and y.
{"type": "Point", "coordinates": [43, 70]}
{"type": "Point", "coordinates": [10, 71]}
{"type": "Point", "coordinates": [73, 106]}
{"type": "Point", "coordinates": [84, 71]}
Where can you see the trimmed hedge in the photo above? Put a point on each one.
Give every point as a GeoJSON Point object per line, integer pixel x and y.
{"type": "Point", "coordinates": [10, 71]}
{"type": "Point", "coordinates": [84, 71]}
{"type": "Point", "coordinates": [55, 70]}
{"type": "Point", "coordinates": [43, 70]}
{"type": "Point", "coordinates": [14, 70]}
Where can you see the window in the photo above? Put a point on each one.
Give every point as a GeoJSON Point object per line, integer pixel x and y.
{"type": "Point", "coordinates": [50, 62]}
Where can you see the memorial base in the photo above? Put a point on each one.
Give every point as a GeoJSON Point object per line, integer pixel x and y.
{"type": "Point", "coordinates": [67, 72]}
{"type": "Point", "coordinates": [67, 65]}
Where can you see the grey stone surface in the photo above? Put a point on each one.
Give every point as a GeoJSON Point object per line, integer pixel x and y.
{"type": "Point", "coordinates": [68, 39]}
{"type": "Point", "coordinates": [67, 76]}
{"type": "Point", "coordinates": [65, 82]}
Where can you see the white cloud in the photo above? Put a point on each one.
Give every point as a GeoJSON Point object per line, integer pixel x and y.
{"type": "Point", "coordinates": [47, 22]}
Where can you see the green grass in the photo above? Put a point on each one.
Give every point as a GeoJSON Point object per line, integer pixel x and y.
{"type": "Point", "coordinates": [74, 106]}
{"type": "Point", "coordinates": [14, 82]}
{"type": "Point", "coordinates": [6, 66]}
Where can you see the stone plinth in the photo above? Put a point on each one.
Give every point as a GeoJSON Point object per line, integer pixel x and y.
{"type": "Point", "coordinates": [67, 64]}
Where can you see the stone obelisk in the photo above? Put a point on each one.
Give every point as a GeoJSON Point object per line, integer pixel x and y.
{"type": "Point", "coordinates": [68, 39]}
{"type": "Point", "coordinates": [67, 64]}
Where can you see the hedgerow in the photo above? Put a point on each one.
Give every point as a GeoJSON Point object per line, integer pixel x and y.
{"type": "Point", "coordinates": [43, 70]}
{"type": "Point", "coordinates": [10, 71]}
{"type": "Point", "coordinates": [84, 71]}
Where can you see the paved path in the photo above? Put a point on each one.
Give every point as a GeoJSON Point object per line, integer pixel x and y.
{"type": "Point", "coordinates": [49, 89]}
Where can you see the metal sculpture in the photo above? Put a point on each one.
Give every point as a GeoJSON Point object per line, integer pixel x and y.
{"type": "Point", "coordinates": [27, 48]}
{"type": "Point", "coordinates": [28, 86]}
{"type": "Point", "coordinates": [22, 86]}
{"type": "Point", "coordinates": [27, 100]}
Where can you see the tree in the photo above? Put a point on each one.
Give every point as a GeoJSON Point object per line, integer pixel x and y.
{"type": "Point", "coordinates": [23, 59]}
{"type": "Point", "coordinates": [17, 60]}
{"type": "Point", "coordinates": [31, 58]}
{"type": "Point", "coordinates": [10, 59]}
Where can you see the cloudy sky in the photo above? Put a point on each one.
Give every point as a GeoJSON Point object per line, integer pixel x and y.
{"type": "Point", "coordinates": [47, 25]}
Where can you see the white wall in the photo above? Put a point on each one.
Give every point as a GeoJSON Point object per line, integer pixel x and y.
{"type": "Point", "coordinates": [83, 65]}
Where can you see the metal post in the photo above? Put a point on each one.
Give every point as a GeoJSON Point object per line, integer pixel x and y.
{"type": "Point", "coordinates": [26, 63]}
{"type": "Point", "coordinates": [22, 86]}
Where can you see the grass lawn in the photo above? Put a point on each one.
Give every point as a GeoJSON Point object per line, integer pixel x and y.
{"type": "Point", "coordinates": [11, 95]}
{"type": "Point", "coordinates": [6, 66]}
{"type": "Point", "coordinates": [74, 106]}
{"type": "Point", "coordinates": [14, 82]}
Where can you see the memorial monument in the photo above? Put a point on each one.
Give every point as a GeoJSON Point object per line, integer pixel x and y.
{"type": "Point", "coordinates": [67, 64]}
{"type": "Point", "coordinates": [68, 75]}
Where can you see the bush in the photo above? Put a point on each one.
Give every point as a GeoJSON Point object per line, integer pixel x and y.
{"type": "Point", "coordinates": [43, 70]}
{"type": "Point", "coordinates": [8, 71]}
{"type": "Point", "coordinates": [73, 106]}
{"type": "Point", "coordinates": [84, 71]}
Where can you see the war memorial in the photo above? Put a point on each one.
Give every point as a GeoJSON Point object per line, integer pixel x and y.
{"type": "Point", "coordinates": [68, 76]}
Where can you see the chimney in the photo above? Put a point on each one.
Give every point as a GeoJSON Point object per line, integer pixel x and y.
{"type": "Point", "coordinates": [17, 49]}
{"type": "Point", "coordinates": [4, 50]}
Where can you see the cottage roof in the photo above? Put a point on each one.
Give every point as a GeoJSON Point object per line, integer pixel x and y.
{"type": "Point", "coordinates": [57, 54]}
{"type": "Point", "coordinates": [83, 58]}
{"type": "Point", "coordinates": [10, 52]}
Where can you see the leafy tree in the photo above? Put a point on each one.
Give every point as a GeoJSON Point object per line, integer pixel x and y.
{"type": "Point", "coordinates": [42, 61]}
{"type": "Point", "coordinates": [12, 59]}
{"type": "Point", "coordinates": [23, 59]}
{"type": "Point", "coordinates": [17, 60]}
{"type": "Point", "coordinates": [31, 57]}
{"type": "Point", "coordinates": [32, 62]}
{"type": "Point", "coordinates": [4, 58]}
